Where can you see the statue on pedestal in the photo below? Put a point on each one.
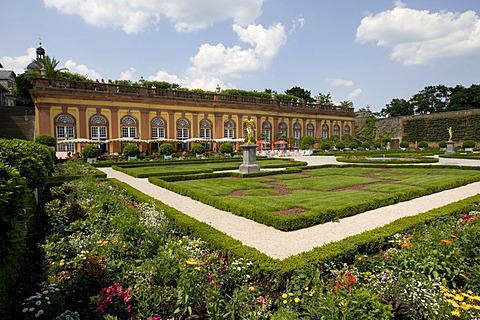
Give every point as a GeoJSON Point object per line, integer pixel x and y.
{"type": "Point", "coordinates": [250, 126]}
{"type": "Point", "coordinates": [450, 133]}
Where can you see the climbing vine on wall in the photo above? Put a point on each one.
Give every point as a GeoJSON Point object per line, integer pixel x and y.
{"type": "Point", "coordinates": [436, 129]}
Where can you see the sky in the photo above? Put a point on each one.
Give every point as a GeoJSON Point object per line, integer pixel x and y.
{"type": "Point", "coordinates": [365, 51]}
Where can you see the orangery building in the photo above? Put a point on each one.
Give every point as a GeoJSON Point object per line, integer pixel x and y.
{"type": "Point", "coordinates": [75, 113]}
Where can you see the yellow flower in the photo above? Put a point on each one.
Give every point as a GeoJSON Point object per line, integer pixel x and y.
{"type": "Point", "coordinates": [191, 261]}
{"type": "Point", "coordinates": [456, 313]}
{"type": "Point", "coordinates": [62, 262]}
{"type": "Point", "coordinates": [297, 300]}
{"type": "Point", "coordinates": [284, 296]}
{"type": "Point", "coordinates": [284, 301]}
{"type": "Point", "coordinates": [290, 294]}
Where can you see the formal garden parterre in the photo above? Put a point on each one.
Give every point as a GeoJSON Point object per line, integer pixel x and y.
{"type": "Point", "coordinates": [111, 252]}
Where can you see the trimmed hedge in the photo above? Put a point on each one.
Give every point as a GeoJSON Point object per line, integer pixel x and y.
{"type": "Point", "coordinates": [308, 219]}
{"type": "Point", "coordinates": [341, 251]}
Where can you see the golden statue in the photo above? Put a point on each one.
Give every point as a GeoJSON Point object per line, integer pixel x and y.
{"type": "Point", "coordinates": [250, 126]}
{"type": "Point", "coordinates": [450, 132]}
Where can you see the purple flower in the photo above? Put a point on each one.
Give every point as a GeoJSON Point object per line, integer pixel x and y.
{"type": "Point", "coordinates": [384, 277]}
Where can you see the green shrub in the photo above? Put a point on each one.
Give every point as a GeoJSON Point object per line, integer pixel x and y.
{"type": "Point", "coordinates": [377, 144]}
{"type": "Point", "coordinates": [46, 139]}
{"type": "Point", "coordinates": [166, 149]}
{"type": "Point", "coordinates": [404, 144]}
{"type": "Point", "coordinates": [442, 144]}
{"type": "Point", "coordinates": [353, 145]}
{"type": "Point", "coordinates": [325, 146]}
{"type": "Point", "coordinates": [340, 145]}
{"type": "Point", "coordinates": [91, 151]}
{"type": "Point", "coordinates": [131, 150]}
{"type": "Point", "coordinates": [423, 144]}
{"type": "Point", "coordinates": [307, 142]}
{"type": "Point", "coordinates": [366, 145]}
{"type": "Point", "coordinates": [468, 144]}
{"type": "Point", "coordinates": [226, 148]}
{"type": "Point", "coordinates": [198, 148]}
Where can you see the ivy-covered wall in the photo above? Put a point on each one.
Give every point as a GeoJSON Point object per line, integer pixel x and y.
{"type": "Point", "coordinates": [432, 127]}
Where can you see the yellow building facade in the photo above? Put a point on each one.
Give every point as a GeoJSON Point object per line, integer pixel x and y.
{"type": "Point", "coordinates": [110, 113]}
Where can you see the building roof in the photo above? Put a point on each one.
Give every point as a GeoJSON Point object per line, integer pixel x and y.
{"type": "Point", "coordinates": [7, 74]}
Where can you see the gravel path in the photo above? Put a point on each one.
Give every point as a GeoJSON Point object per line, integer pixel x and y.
{"type": "Point", "coordinates": [279, 244]}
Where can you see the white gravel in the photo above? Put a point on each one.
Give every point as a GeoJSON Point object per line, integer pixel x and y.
{"type": "Point", "coordinates": [279, 244]}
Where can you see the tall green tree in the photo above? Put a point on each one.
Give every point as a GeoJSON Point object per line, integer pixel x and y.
{"type": "Point", "coordinates": [431, 99]}
{"type": "Point", "coordinates": [46, 65]}
{"type": "Point", "coordinates": [324, 99]}
{"type": "Point", "coordinates": [396, 108]}
{"type": "Point", "coordinates": [302, 94]}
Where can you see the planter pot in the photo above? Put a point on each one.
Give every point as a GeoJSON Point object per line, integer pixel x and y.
{"type": "Point", "coordinates": [469, 149]}
{"type": "Point", "coordinates": [165, 157]}
{"type": "Point", "coordinates": [199, 156]}
{"type": "Point", "coordinates": [91, 160]}
{"type": "Point", "coordinates": [132, 157]}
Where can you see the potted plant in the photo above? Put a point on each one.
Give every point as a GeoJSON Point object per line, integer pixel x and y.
{"type": "Point", "coordinates": [404, 145]}
{"type": "Point", "coordinates": [442, 145]}
{"type": "Point", "coordinates": [340, 145]}
{"type": "Point", "coordinates": [91, 152]}
{"type": "Point", "coordinates": [366, 145]}
{"type": "Point", "coordinates": [422, 145]}
{"type": "Point", "coordinates": [325, 146]}
{"type": "Point", "coordinates": [468, 145]}
{"type": "Point", "coordinates": [198, 149]}
{"type": "Point", "coordinates": [166, 150]}
{"type": "Point", "coordinates": [131, 151]}
{"type": "Point", "coordinates": [352, 145]}
{"type": "Point", "coordinates": [226, 149]}
{"type": "Point", "coordinates": [377, 145]}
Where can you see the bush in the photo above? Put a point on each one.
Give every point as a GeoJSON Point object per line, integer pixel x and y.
{"type": "Point", "coordinates": [226, 148]}
{"type": "Point", "coordinates": [404, 144]}
{"type": "Point", "coordinates": [353, 145]}
{"type": "Point", "coordinates": [91, 151]}
{"type": "Point", "coordinates": [423, 144]}
{"type": "Point", "coordinates": [442, 144]}
{"type": "Point", "coordinates": [307, 142]}
{"type": "Point", "coordinates": [365, 145]}
{"type": "Point", "coordinates": [468, 144]}
{"type": "Point", "coordinates": [46, 139]}
{"type": "Point", "coordinates": [131, 150]}
{"type": "Point", "coordinates": [166, 149]}
{"type": "Point", "coordinates": [325, 146]}
{"type": "Point", "coordinates": [377, 144]}
{"type": "Point", "coordinates": [340, 145]}
{"type": "Point", "coordinates": [198, 148]}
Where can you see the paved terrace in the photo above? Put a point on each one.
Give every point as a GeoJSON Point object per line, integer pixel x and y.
{"type": "Point", "coordinates": [280, 244]}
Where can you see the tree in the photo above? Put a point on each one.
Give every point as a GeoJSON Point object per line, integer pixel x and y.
{"type": "Point", "coordinates": [302, 94]}
{"type": "Point", "coordinates": [396, 108]}
{"type": "Point", "coordinates": [346, 104]}
{"type": "Point", "coordinates": [431, 99]}
{"type": "Point", "coordinates": [324, 99]}
{"type": "Point", "coordinates": [46, 65]}
{"type": "Point", "coordinates": [307, 142]}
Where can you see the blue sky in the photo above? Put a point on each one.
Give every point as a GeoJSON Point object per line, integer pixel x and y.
{"type": "Point", "coordinates": [365, 51]}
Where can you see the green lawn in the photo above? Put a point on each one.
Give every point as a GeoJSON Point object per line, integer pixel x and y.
{"type": "Point", "coordinates": [297, 200]}
{"type": "Point", "coordinates": [203, 166]}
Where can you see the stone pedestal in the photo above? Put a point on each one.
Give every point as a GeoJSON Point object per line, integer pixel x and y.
{"type": "Point", "coordinates": [450, 147]}
{"type": "Point", "coordinates": [249, 164]}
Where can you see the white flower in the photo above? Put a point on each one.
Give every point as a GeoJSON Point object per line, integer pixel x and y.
{"type": "Point", "coordinates": [39, 313]}
{"type": "Point", "coordinates": [31, 309]}
{"type": "Point", "coordinates": [38, 302]}
{"type": "Point", "coordinates": [24, 309]}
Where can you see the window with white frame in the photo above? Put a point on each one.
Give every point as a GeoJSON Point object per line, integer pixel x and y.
{"type": "Point", "coordinates": [310, 130]}
{"type": "Point", "coordinates": [266, 131]}
{"type": "Point", "coordinates": [65, 130]}
{"type": "Point", "coordinates": [205, 129]}
{"type": "Point", "coordinates": [98, 128]}
{"type": "Point", "coordinates": [229, 129]}
{"type": "Point", "coordinates": [336, 130]}
{"type": "Point", "coordinates": [183, 131]}
{"type": "Point", "coordinates": [325, 131]}
{"type": "Point", "coordinates": [297, 134]}
{"type": "Point", "coordinates": [129, 127]}
{"type": "Point", "coordinates": [158, 128]}
{"type": "Point", "coordinates": [282, 129]}
{"type": "Point", "coordinates": [346, 129]}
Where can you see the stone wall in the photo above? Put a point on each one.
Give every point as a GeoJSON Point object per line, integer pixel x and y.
{"type": "Point", "coordinates": [17, 122]}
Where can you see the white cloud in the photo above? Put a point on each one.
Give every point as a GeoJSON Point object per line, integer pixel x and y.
{"type": "Point", "coordinates": [339, 82]}
{"type": "Point", "coordinates": [128, 74]}
{"type": "Point", "coordinates": [421, 36]}
{"type": "Point", "coordinates": [82, 69]}
{"type": "Point", "coordinates": [18, 64]}
{"type": "Point", "coordinates": [297, 23]}
{"type": "Point", "coordinates": [218, 60]}
{"type": "Point", "coordinates": [134, 16]}
{"type": "Point", "coordinates": [354, 94]}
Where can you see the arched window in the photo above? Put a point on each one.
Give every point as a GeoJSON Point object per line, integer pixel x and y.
{"type": "Point", "coordinates": [267, 131]}
{"type": "Point", "coordinates": [336, 130]}
{"type": "Point", "coordinates": [310, 130]}
{"type": "Point", "coordinates": [205, 129]}
{"type": "Point", "coordinates": [183, 131]}
{"type": "Point", "coordinates": [229, 129]}
{"type": "Point", "coordinates": [297, 133]}
{"type": "Point", "coordinates": [325, 131]}
{"type": "Point", "coordinates": [98, 128]}
{"type": "Point", "coordinates": [346, 129]}
{"type": "Point", "coordinates": [65, 130]}
{"type": "Point", "coordinates": [158, 128]}
{"type": "Point", "coordinates": [282, 130]}
{"type": "Point", "coordinates": [129, 127]}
